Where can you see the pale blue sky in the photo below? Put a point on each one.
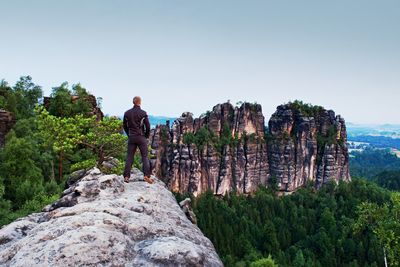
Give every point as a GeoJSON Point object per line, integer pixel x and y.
{"type": "Point", "coordinates": [190, 55]}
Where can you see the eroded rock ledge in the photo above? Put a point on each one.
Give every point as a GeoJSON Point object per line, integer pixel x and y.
{"type": "Point", "coordinates": [101, 221]}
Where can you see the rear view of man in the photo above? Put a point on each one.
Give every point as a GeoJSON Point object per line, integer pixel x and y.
{"type": "Point", "coordinates": [137, 127]}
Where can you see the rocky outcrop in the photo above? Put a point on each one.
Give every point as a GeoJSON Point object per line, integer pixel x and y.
{"type": "Point", "coordinates": [7, 121]}
{"type": "Point", "coordinates": [306, 143]}
{"type": "Point", "coordinates": [223, 150]}
{"type": "Point", "coordinates": [230, 149]}
{"type": "Point", "coordinates": [102, 221]}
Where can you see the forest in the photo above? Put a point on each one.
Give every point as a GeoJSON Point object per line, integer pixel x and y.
{"type": "Point", "coordinates": [338, 225]}
{"type": "Point", "coordinates": [47, 144]}
{"type": "Point", "coordinates": [377, 165]}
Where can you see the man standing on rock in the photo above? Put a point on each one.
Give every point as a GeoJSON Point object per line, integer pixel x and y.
{"type": "Point", "coordinates": [137, 127]}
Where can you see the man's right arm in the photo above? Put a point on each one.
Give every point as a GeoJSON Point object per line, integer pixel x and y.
{"type": "Point", "coordinates": [147, 125]}
{"type": "Point", "coordinates": [125, 122]}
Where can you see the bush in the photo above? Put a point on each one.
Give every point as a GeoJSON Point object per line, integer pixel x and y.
{"type": "Point", "coordinates": [266, 262]}
{"type": "Point", "coordinates": [84, 165]}
{"type": "Point", "coordinates": [307, 110]}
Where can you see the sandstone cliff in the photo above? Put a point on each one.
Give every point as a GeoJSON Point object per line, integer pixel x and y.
{"type": "Point", "coordinates": [101, 221]}
{"type": "Point", "coordinates": [221, 151]}
{"type": "Point", "coordinates": [307, 143]}
{"type": "Point", "coordinates": [230, 149]}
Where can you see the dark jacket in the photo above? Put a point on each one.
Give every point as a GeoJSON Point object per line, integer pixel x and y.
{"type": "Point", "coordinates": [132, 122]}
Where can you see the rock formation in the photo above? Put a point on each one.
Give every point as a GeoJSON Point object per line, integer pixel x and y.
{"type": "Point", "coordinates": [101, 221]}
{"type": "Point", "coordinates": [223, 150]}
{"type": "Point", "coordinates": [230, 149]}
{"type": "Point", "coordinates": [307, 143]}
{"type": "Point", "coordinates": [7, 121]}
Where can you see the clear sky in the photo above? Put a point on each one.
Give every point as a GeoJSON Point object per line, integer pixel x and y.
{"type": "Point", "coordinates": [190, 55]}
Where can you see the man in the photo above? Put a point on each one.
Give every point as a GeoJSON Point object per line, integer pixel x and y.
{"type": "Point", "coordinates": [135, 120]}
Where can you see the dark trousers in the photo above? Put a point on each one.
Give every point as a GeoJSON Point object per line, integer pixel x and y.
{"type": "Point", "coordinates": [133, 143]}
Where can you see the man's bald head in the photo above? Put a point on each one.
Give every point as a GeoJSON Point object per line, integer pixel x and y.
{"type": "Point", "coordinates": [137, 100]}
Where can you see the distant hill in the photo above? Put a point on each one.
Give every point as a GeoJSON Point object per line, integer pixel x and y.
{"type": "Point", "coordinates": [156, 120]}
{"type": "Point", "coordinates": [388, 130]}
{"type": "Point", "coordinates": [379, 136]}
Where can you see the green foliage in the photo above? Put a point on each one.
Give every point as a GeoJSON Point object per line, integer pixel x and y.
{"type": "Point", "coordinates": [23, 189]}
{"type": "Point", "coordinates": [21, 98]}
{"type": "Point", "coordinates": [299, 260]}
{"type": "Point", "coordinates": [388, 179]}
{"type": "Point", "coordinates": [84, 165]}
{"type": "Point", "coordinates": [204, 137]}
{"type": "Point", "coordinates": [253, 106]}
{"type": "Point", "coordinates": [67, 103]}
{"type": "Point", "coordinates": [370, 162]}
{"type": "Point", "coordinates": [59, 134]}
{"type": "Point", "coordinates": [384, 222]}
{"type": "Point", "coordinates": [266, 262]}
{"type": "Point", "coordinates": [224, 139]}
{"type": "Point", "coordinates": [189, 138]}
{"type": "Point", "coordinates": [119, 170]}
{"type": "Point", "coordinates": [307, 228]}
{"type": "Point", "coordinates": [164, 135]}
{"type": "Point", "coordinates": [81, 104]}
{"type": "Point", "coordinates": [305, 109]}
{"type": "Point", "coordinates": [61, 102]}
{"type": "Point", "coordinates": [329, 138]}
{"type": "Point", "coordinates": [34, 205]}
{"type": "Point", "coordinates": [201, 138]}
{"type": "Point", "coordinates": [5, 205]}
{"type": "Point", "coordinates": [103, 137]}
{"type": "Point", "coordinates": [22, 178]}
{"type": "Point", "coordinates": [65, 134]}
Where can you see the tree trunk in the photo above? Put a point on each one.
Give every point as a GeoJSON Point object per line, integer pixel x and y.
{"type": "Point", "coordinates": [101, 156]}
{"type": "Point", "coordinates": [384, 255]}
{"type": "Point", "coordinates": [52, 170]}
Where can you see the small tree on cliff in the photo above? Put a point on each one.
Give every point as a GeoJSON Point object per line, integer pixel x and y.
{"type": "Point", "coordinates": [64, 135]}
{"type": "Point", "coordinates": [58, 134]}
{"type": "Point", "coordinates": [104, 137]}
{"type": "Point", "coordinates": [265, 262]}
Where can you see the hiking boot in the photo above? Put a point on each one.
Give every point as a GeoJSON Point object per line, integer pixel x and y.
{"type": "Point", "coordinates": [126, 179]}
{"type": "Point", "coordinates": [148, 179]}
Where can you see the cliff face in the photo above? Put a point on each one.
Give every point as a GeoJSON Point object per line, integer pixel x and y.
{"type": "Point", "coordinates": [307, 145]}
{"type": "Point", "coordinates": [221, 151]}
{"type": "Point", "coordinates": [102, 221]}
{"type": "Point", "coordinates": [229, 149]}
{"type": "Point", "coordinates": [6, 122]}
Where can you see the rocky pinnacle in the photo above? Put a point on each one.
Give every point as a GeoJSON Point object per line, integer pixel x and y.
{"type": "Point", "coordinates": [230, 149]}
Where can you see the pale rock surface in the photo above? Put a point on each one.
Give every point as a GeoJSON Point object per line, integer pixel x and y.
{"type": "Point", "coordinates": [102, 221]}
